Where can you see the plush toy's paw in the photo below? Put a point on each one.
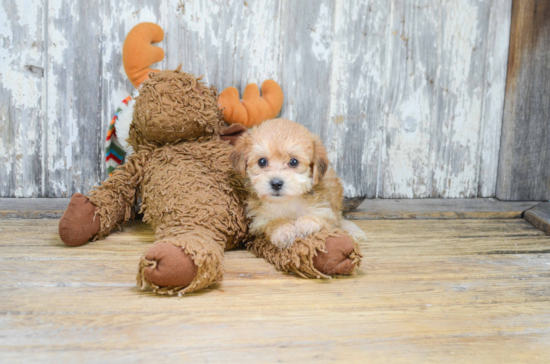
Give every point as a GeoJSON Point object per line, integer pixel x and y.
{"type": "Point", "coordinates": [173, 267]}
{"type": "Point", "coordinates": [79, 223]}
{"type": "Point", "coordinates": [337, 259]}
{"type": "Point", "coordinates": [306, 226]}
{"type": "Point", "coordinates": [284, 236]}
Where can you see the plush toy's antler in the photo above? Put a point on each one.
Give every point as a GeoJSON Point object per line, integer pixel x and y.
{"type": "Point", "coordinates": [253, 109]}
{"type": "Point", "coordinates": [138, 54]}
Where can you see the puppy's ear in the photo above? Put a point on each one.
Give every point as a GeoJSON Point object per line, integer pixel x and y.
{"type": "Point", "coordinates": [320, 161]}
{"type": "Point", "coordinates": [238, 156]}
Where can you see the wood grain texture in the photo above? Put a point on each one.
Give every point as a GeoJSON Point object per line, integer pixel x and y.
{"type": "Point", "coordinates": [429, 291]}
{"type": "Point", "coordinates": [524, 168]}
{"type": "Point", "coordinates": [479, 208]}
{"type": "Point", "coordinates": [353, 131]}
{"type": "Point", "coordinates": [73, 140]}
{"type": "Point", "coordinates": [32, 208]}
{"type": "Point", "coordinates": [22, 96]}
{"type": "Point", "coordinates": [494, 84]}
{"type": "Point", "coordinates": [539, 216]}
{"type": "Point", "coordinates": [53, 208]}
{"type": "Point", "coordinates": [435, 118]}
{"type": "Point", "coordinates": [406, 95]}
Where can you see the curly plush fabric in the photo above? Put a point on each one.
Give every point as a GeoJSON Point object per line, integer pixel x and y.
{"type": "Point", "coordinates": [173, 106]}
{"type": "Point", "coordinates": [207, 254]}
{"type": "Point", "coordinates": [190, 195]}
{"type": "Point", "coordinates": [189, 192]}
{"type": "Point", "coordinates": [299, 257]}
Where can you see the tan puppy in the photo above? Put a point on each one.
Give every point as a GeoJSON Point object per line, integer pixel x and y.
{"type": "Point", "coordinates": [292, 190]}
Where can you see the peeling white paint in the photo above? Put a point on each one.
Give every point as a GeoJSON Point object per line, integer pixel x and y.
{"type": "Point", "coordinates": [24, 89]}
{"type": "Point", "coordinates": [18, 192]}
{"type": "Point", "coordinates": [57, 44]}
{"type": "Point", "coordinates": [27, 13]}
{"type": "Point", "coordinates": [321, 34]}
{"type": "Point", "coordinates": [407, 150]}
{"type": "Point", "coordinates": [6, 33]}
{"type": "Point", "coordinates": [21, 85]}
{"type": "Point", "coordinates": [410, 102]}
{"type": "Point", "coordinates": [70, 143]}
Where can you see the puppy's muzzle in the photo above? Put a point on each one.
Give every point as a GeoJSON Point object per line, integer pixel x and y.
{"type": "Point", "coordinates": [276, 184]}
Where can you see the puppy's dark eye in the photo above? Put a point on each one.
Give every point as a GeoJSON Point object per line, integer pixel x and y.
{"type": "Point", "coordinates": [293, 162]}
{"type": "Point", "coordinates": [262, 162]}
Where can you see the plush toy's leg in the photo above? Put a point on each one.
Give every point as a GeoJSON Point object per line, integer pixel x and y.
{"type": "Point", "coordinates": [320, 255]}
{"type": "Point", "coordinates": [182, 263]}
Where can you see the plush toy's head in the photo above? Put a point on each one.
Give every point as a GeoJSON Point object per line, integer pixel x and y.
{"type": "Point", "coordinates": [172, 106]}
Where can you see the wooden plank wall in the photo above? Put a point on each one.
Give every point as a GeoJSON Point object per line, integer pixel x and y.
{"type": "Point", "coordinates": [406, 94]}
{"type": "Point", "coordinates": [524, 169]}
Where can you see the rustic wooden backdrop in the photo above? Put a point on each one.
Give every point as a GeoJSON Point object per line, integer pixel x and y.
{"type": "Point", "coordinates": [408, 96]}
{"type": "Point", "coordinates": [524, 167]}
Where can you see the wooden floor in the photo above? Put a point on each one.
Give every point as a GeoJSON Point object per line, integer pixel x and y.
{"type": "Point", "coordinates": [446, 291]}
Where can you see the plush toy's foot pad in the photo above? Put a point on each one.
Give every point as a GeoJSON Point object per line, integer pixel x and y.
{"type": "Point", "coordinates": [182, 263]}
{"type": "Point", "coordinates": [79, 222]}
{"type": "Point", "coordinates": [337, 259]}
{"type": "Point", "coordinates": [171, 267]}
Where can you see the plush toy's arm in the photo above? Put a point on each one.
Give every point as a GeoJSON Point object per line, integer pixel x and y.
{"type": "Point", "coordinates": [253, 109]}
{"type": "Point", "coordinates": [106, 206]}
{"type": "Point", "coordinates": [116, 197]}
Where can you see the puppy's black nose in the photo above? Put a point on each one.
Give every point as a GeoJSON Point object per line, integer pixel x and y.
{"type": "Point", "coordinates": [276, 184]}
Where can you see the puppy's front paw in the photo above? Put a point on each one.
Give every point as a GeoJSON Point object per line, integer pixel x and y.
{"type": "Point", "coordinates": [307, 225]}
{"type": "Point", "coordinates": [284, 236]}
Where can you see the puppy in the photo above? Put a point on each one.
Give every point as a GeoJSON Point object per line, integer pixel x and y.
{"type": "Point", "coordinates": [292, 191]}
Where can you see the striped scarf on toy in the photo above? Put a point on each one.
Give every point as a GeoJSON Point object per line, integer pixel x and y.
{"type": "Point", "coordinates": [114, 151]}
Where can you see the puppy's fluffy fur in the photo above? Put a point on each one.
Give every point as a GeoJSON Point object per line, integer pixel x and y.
{"type": "Point", "coordinates": [292, 190]}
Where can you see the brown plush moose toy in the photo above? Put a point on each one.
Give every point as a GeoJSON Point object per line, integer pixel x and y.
{"type": "Point", "coordinates": [181, 171]}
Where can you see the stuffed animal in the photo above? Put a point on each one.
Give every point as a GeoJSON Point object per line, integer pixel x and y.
{"type": "Point", "coordinates": [178, 164]}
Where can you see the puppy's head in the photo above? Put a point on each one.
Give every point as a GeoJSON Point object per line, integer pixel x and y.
{"type": "Point", "coordinates": [281, 158]}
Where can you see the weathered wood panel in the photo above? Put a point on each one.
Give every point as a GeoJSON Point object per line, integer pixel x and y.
{"type": "Point", "coordinates": [73, 127]}
{"type": "Point", "coordinates": [21, 98]}
{"type": "Point", "coordinates": [439, 209]}
{"type": "Point", "coordinates": [353, 131]}
{"type": "Point", "coordinates": [32, 208]}
{"type": "Point", "coordinates": [524, 169]}
{"type": "Point", "coordinates": [378, 209]}
{"type": "Point", "coordinates": [494, 79]}
{"type": "Point", "coordinates": [231, 43]}
{"type": "Point", "coordinates": [539, 216]}
{"type": "Point", "coordinates": [407, 95]}
{"type": "Point", "coordinates": [437, 119]}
